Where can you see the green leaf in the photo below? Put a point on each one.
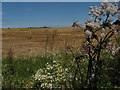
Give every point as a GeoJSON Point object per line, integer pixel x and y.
{"type": "Point", "coordinates": [111, 57]}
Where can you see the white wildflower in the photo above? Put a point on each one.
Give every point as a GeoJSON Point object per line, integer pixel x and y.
{"type": "Point", "coordinates": [106, 28]}
{"type": "Point", "coordinates": [88, 24]}
{"type": "Point", "coordinates": [54, 61]}
{"type": "Point", "coordinates": [117, 49]}
{"type": "Point", "coordinates": [93, 75]}
{"type": "Point", "coordinates": [98, 12]}
{"type": "Point", "coordinates": [88, 33]}
{"type": "Point", "coordinates": [77, 23]}
{"type": "Point", "coordinates": [91, 7]}
{"type": "Point", "coordinates": [102, 4]}
{"type": "Point", "coordinates": [103, 30]}
{"type": "Point", "coordinates": [113, 52]}
{"type": "Point", "coordinates": [97, 25]}
{"type": "Point", "coordinates": [102, 35]}
{"type": "Point", "coordinates": [97, 15]}
{"type": "Point", "coordinates": [98, 20]}
{"type": "Point", "coordinates": [95, 6]}
{"type": "Point", "coordinates": [94, 13]}
{"type": "Point", "coordinates": [66, 69]}
{"type": "Point", "coordinates": [83, 26]}
{"type": "Point", "coordinates": [102, 11]}
{"type": "Point", "coordinates": [108, 9]}
{"type": "Point", "coordinates": [89, 13]}
{"type": "Point", "coordinates": [92, 10]}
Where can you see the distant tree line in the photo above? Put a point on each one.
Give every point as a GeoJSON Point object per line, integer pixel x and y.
{"type": "Point", "coordinates": [39, 27]}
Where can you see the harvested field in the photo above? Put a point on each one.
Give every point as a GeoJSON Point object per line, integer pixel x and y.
{"type": "Point", "coordinates": [32, 42]}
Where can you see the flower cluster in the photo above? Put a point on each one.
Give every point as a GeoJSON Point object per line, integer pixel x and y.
{"type": "Point", "coordinates": [116, 29]}
{"type": "Point", "coordinates": [52, 76]}
{"type": "Point", "coordinates": [102, 33]}
{"type": "Point", "coordinates": [88, 34]}
{"type": "Point", "coordinates": [112, 49]}
{"type": "Point", "coordinates": [98, 15]}
{"type": "Point", "coordinates": [86, 46]}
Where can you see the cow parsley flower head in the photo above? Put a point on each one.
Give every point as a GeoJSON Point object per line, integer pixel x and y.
{"type": "Point", "coordinates": [91, 7]}
{"type": "Point", "coordinates": [113, 52]}
{"type": "Point", "coordinates": [106, 28]}
{"type": "Point", "coordinates": [77, 23]}
{"type": "Point", "coordinates": [92, 10]}
{"type": "Point", "coordinates": [102, 11]}
{"type": "Point", "coordinates": [91, 18]}
{"type": "Point", "coordinates": [88, 33]}
{"type": "Point", "coordinates": [89, 13]}
{"type": "Point", "coordinates": [83, 26]}
{"type": "Point", "coordinates": [89, 24]}
{"type": "Point", "coordinates": [103, 30]}
{"type": "Point", "coordinates": [97, 15]}
{"type": "Point", "coordinates": [95, 6]}
{"type": "Point", "coordinates": [108, 9]}
{"type": "Point", "coordinates": [96, 10]}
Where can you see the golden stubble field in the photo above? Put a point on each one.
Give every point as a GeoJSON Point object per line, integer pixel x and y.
{"type": "Point", "coordinates": [32, 42]}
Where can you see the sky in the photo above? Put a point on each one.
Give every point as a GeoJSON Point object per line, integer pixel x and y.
{"type": "Point", "coordinates": [40, 14]}
{"type": "Point", "coordinates": [58, 0]}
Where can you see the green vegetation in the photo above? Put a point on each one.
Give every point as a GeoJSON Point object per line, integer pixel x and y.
{"type": "Point", "coordinates": [71, 64]}
{"type": "Point", "coordinates": [18, 73]}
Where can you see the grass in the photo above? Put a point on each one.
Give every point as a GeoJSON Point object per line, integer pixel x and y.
{"type": "Point", "coordinates": [20, 76]}
{"type": "Point", "coordinates": [18, 73]}
{"type": "Point", "coordinates": [22, 70]}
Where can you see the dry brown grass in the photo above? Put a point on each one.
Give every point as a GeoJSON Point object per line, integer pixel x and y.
{"type": "Point", "coordinates": [32, 42]}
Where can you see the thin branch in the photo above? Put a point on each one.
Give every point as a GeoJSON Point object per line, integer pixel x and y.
{"type": "Point", "coordinates": [95, 19]}
{"type": "Point", "coordinates": [108, 37]}
{"type": "Point", "coordinates": [107, 17]}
